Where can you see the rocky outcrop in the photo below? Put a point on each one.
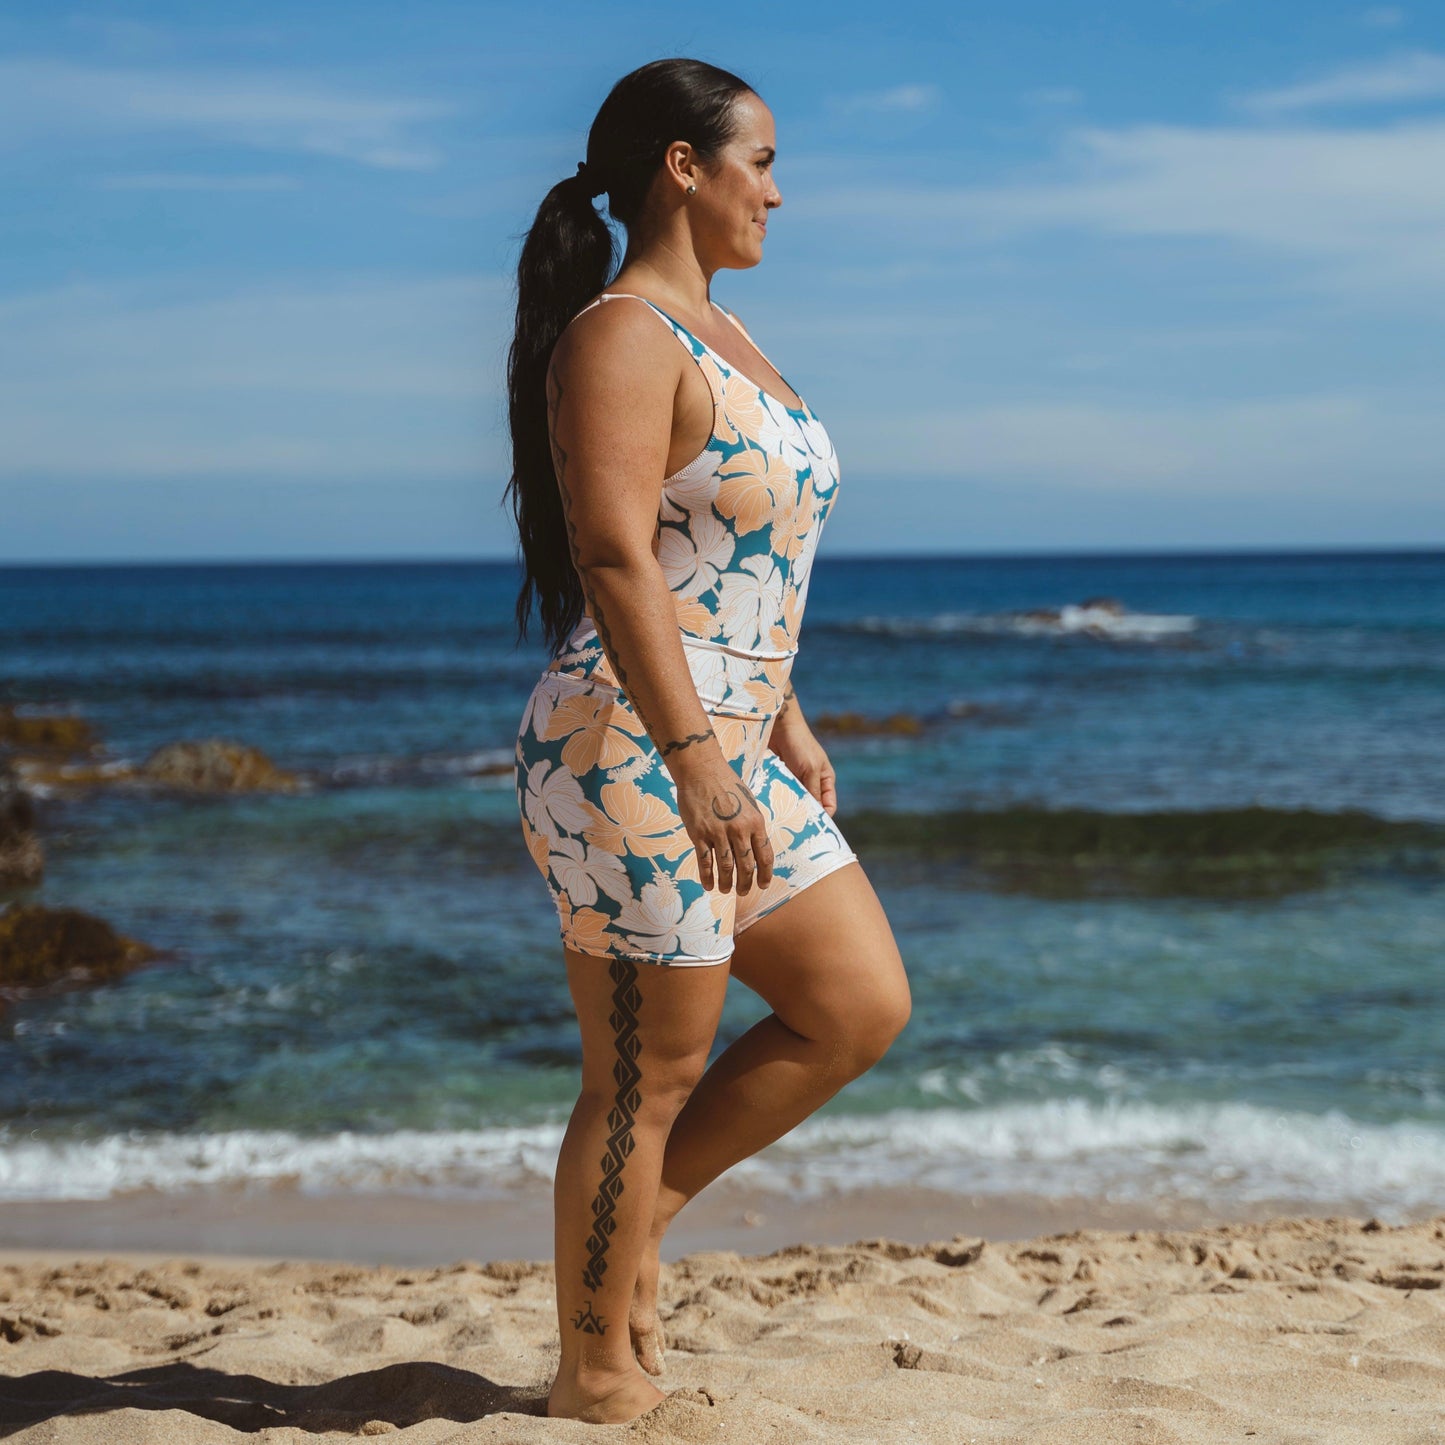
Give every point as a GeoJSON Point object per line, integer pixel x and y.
{"type": "Point", "coordinates": [216, 765]}
{"type": "Point", "coordinates": [50, 734]}
{"type": "Point", "coordinates": [857, 722]}
{"type": "Point", "coordinates": [22, 861]}
{"type": "Point", "coordinates": [62, 750]}
{"type": "Point", "coordinates": [44, 950]}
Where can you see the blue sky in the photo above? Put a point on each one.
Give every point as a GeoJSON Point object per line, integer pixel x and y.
{"type": "Point", "coordinates": [1164, 274]}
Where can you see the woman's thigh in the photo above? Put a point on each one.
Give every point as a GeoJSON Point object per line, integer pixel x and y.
{"type": "Point", "coordinates": [646, 1028]}
{"type": "Point", "coordinates": [827, 963]}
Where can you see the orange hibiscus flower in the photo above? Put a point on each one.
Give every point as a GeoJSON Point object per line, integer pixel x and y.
{"type": "Point", "coordinates": [586, 721]}
{"type": "Point", "coordinates": [753, 488]}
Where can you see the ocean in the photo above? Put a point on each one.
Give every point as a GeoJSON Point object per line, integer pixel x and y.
{"type": "Point", "coordinates": [1162, 844]}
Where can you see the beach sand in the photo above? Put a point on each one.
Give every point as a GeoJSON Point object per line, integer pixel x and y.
{"type": "Point", "coordinates": [1284, 1329]}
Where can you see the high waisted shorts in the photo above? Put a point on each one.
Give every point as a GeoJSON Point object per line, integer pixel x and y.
{"type": "Point", "coordinates": [600, 818]}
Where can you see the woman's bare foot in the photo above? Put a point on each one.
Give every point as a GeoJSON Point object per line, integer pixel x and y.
{"type": "Point", "coordinates": [603, 1399]}
{"type": "Point", "coordinates": [648, 1341]}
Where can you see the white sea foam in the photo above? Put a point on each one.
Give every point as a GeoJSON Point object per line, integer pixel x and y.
{"type": "Point", "coordinates": [1089, 620]}
{"type": "Point", "coordinates": [1220, 1154]}
{"type": "Point", "coordinates": [473, 1162]}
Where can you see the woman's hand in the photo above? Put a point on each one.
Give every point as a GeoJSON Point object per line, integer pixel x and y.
{"type": "Point", "coordinates": [793, 741]}
{"type": "Point", "coordinates": [724, 821]}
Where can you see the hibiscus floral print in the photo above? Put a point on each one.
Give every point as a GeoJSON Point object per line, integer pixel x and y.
{"type": "Point", "coordinates": [738, 529]}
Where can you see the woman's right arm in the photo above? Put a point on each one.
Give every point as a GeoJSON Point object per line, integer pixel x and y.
{"type": "Point", "coordinates": [611, 385]}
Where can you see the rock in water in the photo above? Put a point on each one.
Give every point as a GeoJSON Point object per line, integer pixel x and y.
{"type": "Point", "coordinates": [216, 765]}
{"type": "Point", "coordinates": [42, 948]}
{"type": "Point", "coordinates": [21, 859]}
{"type": "Point", "coordinates": [856, 722]}
{"type": "Point", "coordinates": [50, 733]}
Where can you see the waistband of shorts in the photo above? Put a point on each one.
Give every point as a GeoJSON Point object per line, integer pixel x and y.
{"type": "Point", "coordinates": [580, 640]}
{"type": "Point", "coordinates": [731, 693]}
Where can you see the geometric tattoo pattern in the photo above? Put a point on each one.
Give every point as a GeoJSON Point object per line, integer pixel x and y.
{"type": "Point", "coordinates": [626, 999]}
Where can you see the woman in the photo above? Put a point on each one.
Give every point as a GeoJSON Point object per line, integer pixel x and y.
{"type": "Point", "coordinates": [668, 499]}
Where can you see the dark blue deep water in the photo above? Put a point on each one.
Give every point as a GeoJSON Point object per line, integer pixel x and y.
{"type": "Point", "coordinates": [365, 987]}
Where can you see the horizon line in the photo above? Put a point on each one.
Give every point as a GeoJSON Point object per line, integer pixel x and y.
{"type": "Point", "coordinates": [492, 560]}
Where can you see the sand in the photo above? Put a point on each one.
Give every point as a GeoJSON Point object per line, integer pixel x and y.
{"type": "Point", "coordinates": [1290, 1329]}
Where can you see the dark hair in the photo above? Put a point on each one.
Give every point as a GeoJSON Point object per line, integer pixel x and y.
{"type": "Point", "coordinates": [567, 257]}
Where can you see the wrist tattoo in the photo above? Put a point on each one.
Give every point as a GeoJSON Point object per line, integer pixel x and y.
{"type": "Point", "coordinates": [677, 744]}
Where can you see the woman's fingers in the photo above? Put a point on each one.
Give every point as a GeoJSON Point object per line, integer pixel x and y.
{"type": "Point", "coordinates": [725, 865]}
{"type": "Point", "coordinates": [704, 863]}
{"type": "Point", "coordinates": [741, 860]}
{"type": "Point", "coordinates": [732, 843]}
{"type": "Point", "coordinates": [762, 856]}
{"type": "Point", "coordinates": [829, 788]}
{"type": "Point", "coordinates": [746, 863]}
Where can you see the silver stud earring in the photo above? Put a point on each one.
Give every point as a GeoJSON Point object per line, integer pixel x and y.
{"type": "Point", "coordinates": [692, 190]}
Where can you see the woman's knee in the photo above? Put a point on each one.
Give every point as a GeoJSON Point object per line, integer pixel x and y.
{"type": "Point", "coordinates": [874, 1034]}
{"type": "Point", "coordinates": [657, 1093]}
{"type": "Point", "coordinates": [860, 1034]}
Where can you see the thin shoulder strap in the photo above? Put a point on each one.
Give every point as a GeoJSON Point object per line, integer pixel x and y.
{"type": "Point", "coordinates": [632, 295]}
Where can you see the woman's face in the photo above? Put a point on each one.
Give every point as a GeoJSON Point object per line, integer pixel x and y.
{"type": "Point", "coordinates": [735, 192]}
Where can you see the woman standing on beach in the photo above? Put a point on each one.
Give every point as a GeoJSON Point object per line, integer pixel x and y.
{"type": "Point", "coordinates": [669, 499]}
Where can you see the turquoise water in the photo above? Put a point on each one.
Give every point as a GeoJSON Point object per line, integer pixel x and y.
{"type": "Point", "coordinates": [365, 987]}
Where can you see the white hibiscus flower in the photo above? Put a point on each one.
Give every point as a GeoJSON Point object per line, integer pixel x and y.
{"type": "Point", "coordinates": [708, 667]}
{"type": "Point", "coordinates": [821, 456]}
{"type": "Point", "coordinates": [553, 801]}
{"type": "Point", "coordinates": [719, 677]}
{"type": "Point", "coordinates": [750, 602]}
{"type": "Point", "coordinates": [691, 490]}
{"type": "Point", "coordinates": [581, 871]}
{"type": "Point", "coordinates": [658, 923]}
{"type": "Point", "coordinates": [691, 557]}
{"type": "Point", "coordinates": [778, 432]}
{"type": "Point", "coordinates": [538, 712]}
{"type": "Point", "coordinates": [802, 568]}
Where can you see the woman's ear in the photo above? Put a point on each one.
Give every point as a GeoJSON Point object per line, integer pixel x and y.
{"type": "Point", "coordinates": [682, 167]}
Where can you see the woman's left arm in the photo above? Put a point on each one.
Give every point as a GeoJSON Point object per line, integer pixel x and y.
{"type": "Point", "coordinates": [793, 741]}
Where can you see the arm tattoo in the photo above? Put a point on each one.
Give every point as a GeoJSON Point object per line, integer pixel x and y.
{"type": "Point", "coordinates": [679, 743]}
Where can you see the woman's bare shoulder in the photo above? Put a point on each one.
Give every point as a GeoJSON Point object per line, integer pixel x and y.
{"type": "Point", "coordinates": [622, 336]}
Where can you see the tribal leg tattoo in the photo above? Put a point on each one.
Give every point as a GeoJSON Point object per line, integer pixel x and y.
{"type": "Point", "coordinates": [626, 1000]}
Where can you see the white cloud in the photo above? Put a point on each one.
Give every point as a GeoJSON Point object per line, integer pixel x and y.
{"type": "Point", "coordinates": [907, 98]}
{"type": "Point", "coordinates": [1284, 446]}
{"type": "Point", "coordinates": [1364, 207]}
{"type": "Point", "coordinates": [1383, 17]}
{"type": "Point", "coordinates": [45, 99]}
{"type": "Point", "coordinates": [348, 379]}
{"type": "Point", "coordinates": [1415, 75]}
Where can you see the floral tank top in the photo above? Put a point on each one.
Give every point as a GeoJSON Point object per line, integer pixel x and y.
{"type": "Point", "coordinates": [738, 529]}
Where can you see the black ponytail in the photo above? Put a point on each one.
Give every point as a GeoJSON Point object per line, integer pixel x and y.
{"type": "Point", "coordinates": [568, 256]}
